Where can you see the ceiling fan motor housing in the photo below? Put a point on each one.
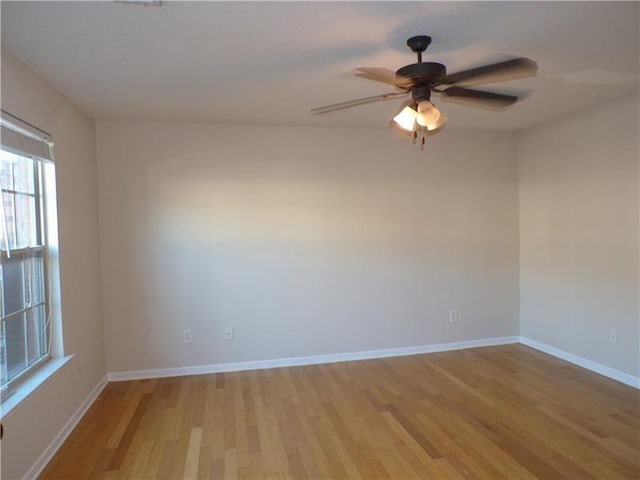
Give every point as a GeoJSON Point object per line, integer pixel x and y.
{"type": "Point", "coordinates": [423, 73]}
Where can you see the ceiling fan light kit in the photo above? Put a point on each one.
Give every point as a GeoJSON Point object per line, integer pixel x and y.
{"type": "Point", "coordinates": [419, 116]}
{"type": "Point", "coordinates": [424, 120]}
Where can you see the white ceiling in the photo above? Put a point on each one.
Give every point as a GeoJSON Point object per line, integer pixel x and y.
{"type": "Point", "coordinates": [270, 62]}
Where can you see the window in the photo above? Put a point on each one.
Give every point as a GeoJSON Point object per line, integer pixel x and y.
{"type": "Point", "coordinates": [24, 307]}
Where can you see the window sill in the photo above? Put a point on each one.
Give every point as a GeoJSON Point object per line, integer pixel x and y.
{"type": "Point", "coordinates": [31, 384]}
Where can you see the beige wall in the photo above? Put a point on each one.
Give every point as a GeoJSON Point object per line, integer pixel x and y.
{"type": "Point", "coordinates": [34, 423]}
{"type": "Point", "coordinates": [304, 240]}
{"type": "Point", "coordinates": [579, 247]}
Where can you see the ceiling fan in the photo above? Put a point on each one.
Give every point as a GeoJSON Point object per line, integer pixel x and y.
{"type": "Point", "coordinates": [418, 115]}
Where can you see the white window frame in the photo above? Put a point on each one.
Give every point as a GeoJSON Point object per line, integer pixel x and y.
{"type": "Point", "coordinates": [23, 139]}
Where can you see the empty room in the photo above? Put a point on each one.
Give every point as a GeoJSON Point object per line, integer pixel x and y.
{"type": "Point", "coordinates": [320, 240]}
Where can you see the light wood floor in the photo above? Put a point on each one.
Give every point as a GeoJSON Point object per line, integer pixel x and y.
{"type": "Point", "coordinates": [505, 412]}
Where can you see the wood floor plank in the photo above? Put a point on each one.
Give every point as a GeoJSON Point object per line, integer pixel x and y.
{"type": "Point", "coordinates": [193, 454]}
{"type": "Point", "coordinates": [488, 413]}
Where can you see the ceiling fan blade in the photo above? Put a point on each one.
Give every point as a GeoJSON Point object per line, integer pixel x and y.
{"type": "Point", "coordinates": [357, 102]}
{"type": "Point", "coordinates": [497, 72]}
{"type": "Point", "coordinates": [377, 74]}
{"type": "Point", "coordinates": [478, 98]}
{"type": "Point", "coordinates": [381, 74]}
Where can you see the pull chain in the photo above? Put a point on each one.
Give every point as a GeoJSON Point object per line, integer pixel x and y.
{"type": "Point", "coordinates": [423, 136]}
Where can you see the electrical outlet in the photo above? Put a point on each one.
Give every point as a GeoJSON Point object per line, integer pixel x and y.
{"type": "Point", "coordinates": [228, 333]}
{"type": "Point", "coordinates": [186, 335]}
{"type": "Point", "coordinates": [613, 336]}
{"type": "Point", "coordinates": [453, 316]}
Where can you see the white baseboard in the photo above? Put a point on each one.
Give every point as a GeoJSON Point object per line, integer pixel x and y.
{"type": "Point", "coordinates": [583, 362]}
{"type": "Point", "coordinates": [307, 360]}
{"type": "Point", "coordinates": [371, 354]}
{"type": "Point", "coordinates": [46, 456]}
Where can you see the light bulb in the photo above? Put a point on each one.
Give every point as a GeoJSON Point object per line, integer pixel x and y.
{"type": "Point", "coordinates": [406, 118]}
{"type": "Point", "coordinates": [428, 115]}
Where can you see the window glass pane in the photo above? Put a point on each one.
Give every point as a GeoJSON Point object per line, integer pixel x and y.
{"type": "Point", "coordinates": [12, 284]}
{"type": "Point", "coordinates": [6, 170]}
{"type": "Point", "coordinates": [23, 174]}
{"type": "Point", "coordinates": [36, 334]}
{"type": "Point", "coordinates": [34, 278]}
{"type": "Point", "coordinates": [3, 355]}
{"type": "Point", "coordinates": [15, 345]}
{"type": "Point", "coordinates": [7, 222]}
{"type": "Point", "coordinates": [26, 221]}
{"type": "Point", "coordinates": [1, 292]}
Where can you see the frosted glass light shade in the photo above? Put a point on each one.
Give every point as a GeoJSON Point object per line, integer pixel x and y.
{"type": "Point", "coordinates": [429, 116]}
{"type": "Point", "coordinates": [406, 118]}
